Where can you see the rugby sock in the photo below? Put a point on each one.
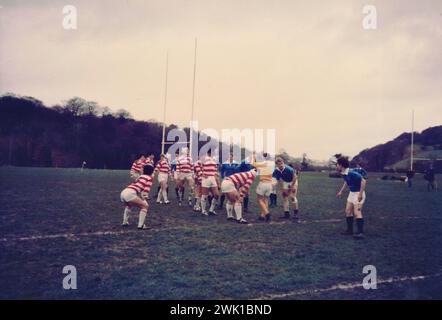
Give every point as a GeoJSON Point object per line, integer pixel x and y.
{"type": "Point", "coordinates": [238, 211]}
{"type": "Point", "coordinates": [229, 207]}
{"type": "Point", "coordinates": [295, 212]}
{"type": "Point", "coordinates": [142, 218]}
{"type": "Point", "coordinates": [159, 196]}
{"type": "Point", "coordinates": [221, 201]}
{"type": "Point", "coordinates": [158, 189]}
{"type": "Point", "coordinates": [180, 195]}
{"type": "Point", "coordinates": [203, 203]}
{"type": "Point", "coordinates": [177, 192]}
{"type": "Point", "coordinates": [126, 215]}
{"type": "Point", "coordinates": [212, 205]}
{"type": "Point", "coordinates": [360, 225]}
{"type": "Point", "coordinates": [350, 224]}
{"type": "Point", "coordinates": [246, 203]}
{"type": "Point", "coordinates": [165, 195]}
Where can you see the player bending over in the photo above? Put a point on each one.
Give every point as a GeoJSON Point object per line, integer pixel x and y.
{"type": "Point", "coordinates": [209, 184]}
{"type": "Point", "coordinates": [356, 198]}
{"type": "Point", "coordinates": [289, 179]}
{"type": "Point", "coordinates": [163, 170]}
{"type": "Point", "coordinates": [235, 187]}
{"type": "Point", "coordinates": [131, 197]}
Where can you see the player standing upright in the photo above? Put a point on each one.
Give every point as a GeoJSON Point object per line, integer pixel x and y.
{"type": "Point", "coordinates": [356, 198]}
{"type": "Point", "coordinates": [209, 183]}
{"type": "Point", "coordinates": [163, 169]}
{"type": "Point", "coordinates": [198, 170]}
{"type": "Point", "coordinates": [137, 167]}
{"type": "Point", "coordinates": [235, 187]}
{"type": "Point", "coordinates": [175, 173]}
{"type": "Point", "coordinates": [129, 196]}
{"type": "Point", "coordinates": [184, 168]}
{"type": "Point", "coordinates": [265, 186]}
{"type": "Point", "coordinates": [289, 179]}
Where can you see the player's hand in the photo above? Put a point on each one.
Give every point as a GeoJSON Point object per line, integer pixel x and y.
{"type": "Point", "coordinates": [339, 194]}
{"type": "Point", "coordinates": [360, 198]}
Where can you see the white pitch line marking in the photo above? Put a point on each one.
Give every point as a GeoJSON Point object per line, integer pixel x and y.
{"type": "Point", "coordinates": [342, 286]}
{"type": "Point", "coordinates": [75, 236]}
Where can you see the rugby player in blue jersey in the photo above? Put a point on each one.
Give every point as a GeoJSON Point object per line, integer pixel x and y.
{"type": "Point", "coordinates": [287, 175]}
{"type": "Point", "coordinates": [356, 198]}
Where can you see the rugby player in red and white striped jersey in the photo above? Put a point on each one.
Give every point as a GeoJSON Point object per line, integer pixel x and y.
{"type": "Point", "coordinates": [235, 187]}
{"type": "Point", "coordinates": [198, 170]}
{"type": "Point", "coordinates": [149, 161]}
{"type": "Point", "coordinates": [137, 167]}
{"type": "Point", "coordinates": [163, 169]}
{"type": "Point", "coordinates": [130, 197]}
{"type": "Point", "coordinates": [184, 168]}
{"type": "Point", "coordinates": [209, 183]}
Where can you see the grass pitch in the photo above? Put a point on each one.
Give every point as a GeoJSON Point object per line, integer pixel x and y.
{"type": "Point", "coordinates": [50, 218]}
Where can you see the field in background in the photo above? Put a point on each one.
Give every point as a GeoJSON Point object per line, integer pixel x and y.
{"type": "Point", "coordinates": [50, 218]}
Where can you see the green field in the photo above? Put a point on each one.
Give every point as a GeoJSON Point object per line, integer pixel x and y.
{"type": "Point", "coordinates": [56, 217]}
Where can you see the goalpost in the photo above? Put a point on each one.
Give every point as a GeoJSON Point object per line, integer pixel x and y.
{"type": "Point", "coordinates": [190, 142]}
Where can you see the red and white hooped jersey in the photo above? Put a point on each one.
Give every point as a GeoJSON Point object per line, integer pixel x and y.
{"type": "Point", "coordinates": [198, 169]}
{"type": "Point", "coordinates": [242, 181]}
{"type": "Point", "coordinates": [142, 184]}
{"type": "Point", "coordinates": [209, 167]}
{"type": "Point", "coordinates": [137, 166]}
{"type": "Point", "coordinates": [163, 167]}
{"type": "Point", "coordinates": [184, 164]}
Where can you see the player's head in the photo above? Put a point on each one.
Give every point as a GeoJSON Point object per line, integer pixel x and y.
{"type": "Point", "coordinates": [342, 163]}
{"type": "Point", "coordinates": [151, 156]}
{"type": "Point", "coordinates": [163, 156]}
{"type": "Point", "coordinates": [185, 150]}
{"type": "Point", "coordinates": [140, 156]}
{"type": "Point", "coordinates": [148, 170]}
{"type": "Point", "coordinates": [279, 163]}
{"type": "Point", "coordinates": [209, 152]}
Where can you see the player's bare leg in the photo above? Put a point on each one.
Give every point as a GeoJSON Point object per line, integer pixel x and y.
{"type": "Point", "coordinates": [215, 197]}
{"type": "Point", "coordinates": [142, 204]}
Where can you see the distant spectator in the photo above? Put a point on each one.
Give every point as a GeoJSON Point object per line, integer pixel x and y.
{"type": "Point", "coordinates": [430, 176]}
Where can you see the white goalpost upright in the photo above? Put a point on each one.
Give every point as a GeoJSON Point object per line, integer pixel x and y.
{"type": "Point", "coordinates": [190, 142]}
{"type": "Point", "coordinates": [165, 105]}
{"type": "Point", "coordinates": [193, 99]}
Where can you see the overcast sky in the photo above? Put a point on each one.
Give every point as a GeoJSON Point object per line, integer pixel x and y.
{"type": "Point", "coordinates": [305, 68]}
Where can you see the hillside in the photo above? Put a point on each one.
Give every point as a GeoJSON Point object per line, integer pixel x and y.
{"type": "Point", "coordinates": [395, 154]}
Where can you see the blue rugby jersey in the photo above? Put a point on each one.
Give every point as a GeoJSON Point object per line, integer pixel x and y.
{"type": "Point", "coordinates": [173, 165]}
{"type": "Point", "coordinates": [227, 169]}
{"type": "Point", "coordinates": [245, 166]}
{"type": "Point", "coordinates": [361, 171]}
{"type": "Point", "coordinates": [353, 180]}
{"type": "Point", "coordinates": [286, 174]}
